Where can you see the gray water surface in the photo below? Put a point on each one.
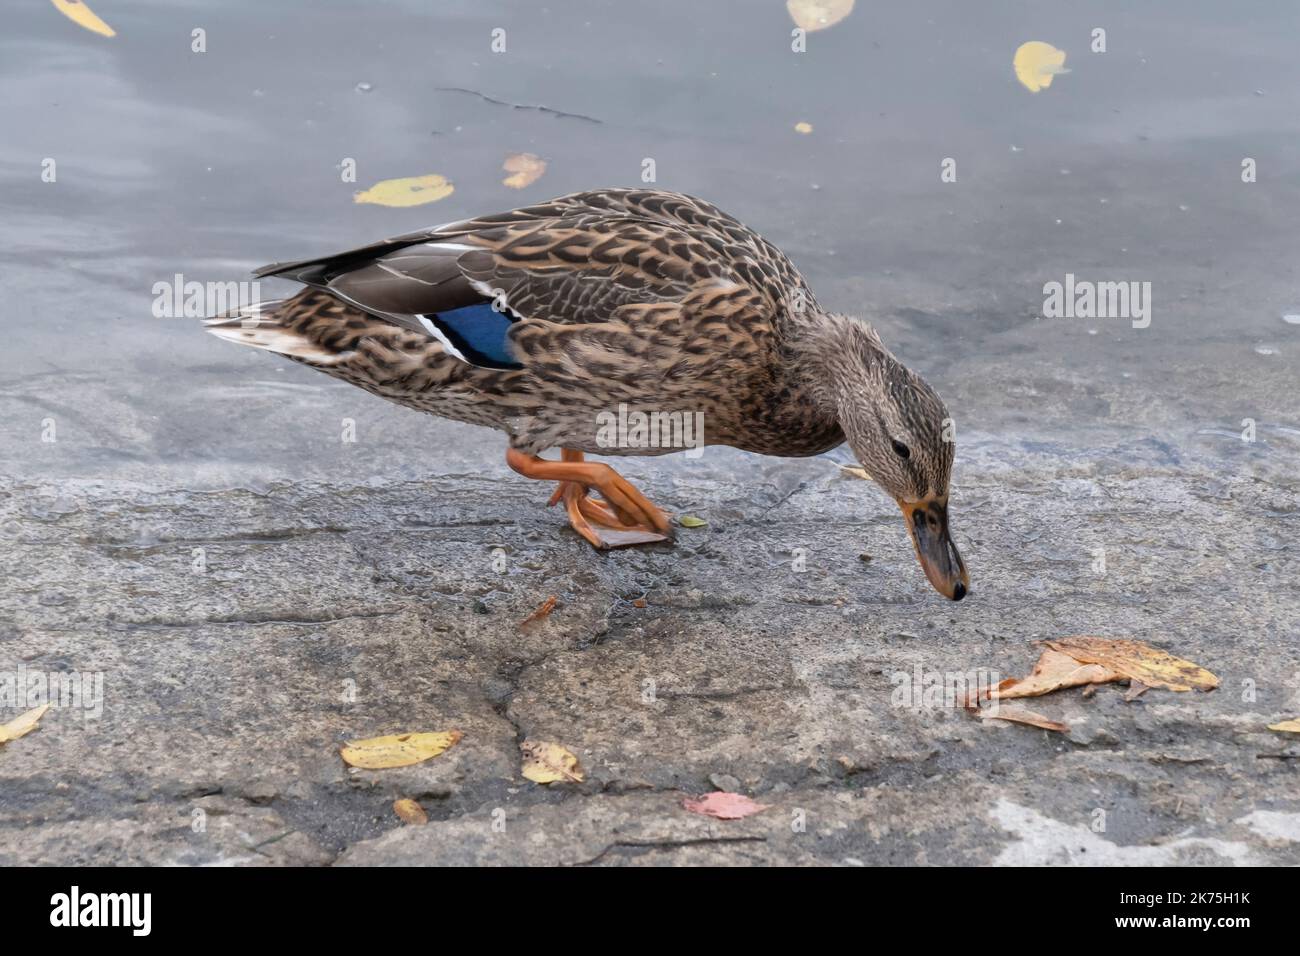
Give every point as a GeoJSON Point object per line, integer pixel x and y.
{"type": "Point", "coordinates": [210, 164]}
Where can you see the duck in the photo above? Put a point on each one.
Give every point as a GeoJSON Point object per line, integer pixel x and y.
{"type": "Point", "coordinates": [562, 322]}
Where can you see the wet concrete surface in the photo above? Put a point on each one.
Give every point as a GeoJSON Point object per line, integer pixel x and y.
{"type": "Point", "coordinates": [255, 590]}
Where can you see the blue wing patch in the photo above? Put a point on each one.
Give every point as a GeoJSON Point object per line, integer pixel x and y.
{"type": "Point", "coordinates": [478, 332]}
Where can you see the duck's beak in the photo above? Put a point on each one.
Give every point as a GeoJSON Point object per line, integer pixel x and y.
{"type": "Point", "coordinates": [927, 520]}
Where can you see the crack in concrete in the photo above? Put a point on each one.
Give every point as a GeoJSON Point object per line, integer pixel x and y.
{"type": "Point", "coordinates": [666, 845]}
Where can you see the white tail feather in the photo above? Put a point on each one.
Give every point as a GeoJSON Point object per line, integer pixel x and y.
{"type": "Point", "coordinates": [250, 325]}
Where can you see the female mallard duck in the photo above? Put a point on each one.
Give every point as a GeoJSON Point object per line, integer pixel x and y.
{"type": "Point", "coordinates": [546, 321]}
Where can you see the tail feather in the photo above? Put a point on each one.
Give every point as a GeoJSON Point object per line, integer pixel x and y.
{"type": "Point", "coordinates": [261, 326]}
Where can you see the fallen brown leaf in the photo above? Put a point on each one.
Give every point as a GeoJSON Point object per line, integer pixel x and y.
{"type": "Point", "coordinates": [408, 811]}
{"type": "Point", "coordinates": [550, 763]}
{"type": "Point", "coordinates": [1020, 715]}
{"type": "Point", "coordinates": [1137, 661]}
{"type": "Point", "coordinates": [724, 806]}
{"type": "Point", "coordinates": [1053, 671]}
{"type": "Point", "coordinates": [1135, 690]}
{"type": "Point", "coordinates": [541, 613]}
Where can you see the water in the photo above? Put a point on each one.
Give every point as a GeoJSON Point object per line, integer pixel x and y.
{"type": "Point", "coordinates": [210, 164]}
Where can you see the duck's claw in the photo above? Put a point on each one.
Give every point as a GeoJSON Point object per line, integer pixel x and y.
{"type": "Point", "coordinates": [624, 517]}
{"type": "Point", "coordinates": [599, 524]}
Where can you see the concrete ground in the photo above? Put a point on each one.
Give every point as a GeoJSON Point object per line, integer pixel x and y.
{"type": "Point", "coordinates": [244, 634]}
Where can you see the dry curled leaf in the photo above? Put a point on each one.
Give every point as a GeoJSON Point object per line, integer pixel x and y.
{"type": "Point", "coordinates": [1020, 715]}
{"type": "Point", "coordinates": [1137, 661]}
{"type": "Point", "coordinates": [724, 806]}
{"type": "Point", "coordinates": [524, 169]}
{"type": "Point", "coordinates": [411, 191]}
{"type": "Point", "coordinates": [818, 14]}
{"type": "Point", "coordinates": [22, 724]}
{"type": "Point", "coordinates": [549, 763]}
{"type": "Point", "coordinates": [690, 521]}
{"type": "Point", "coordinates": [1135, 690]}
{"type": "Point", "coordinates": [1053, 671]}
{"type": "Point", "coordinates": [397, 750]}
{"type": "Point", "coordinates": [82, 15]}
{"type": "Point", "coordinates": [1036, 63]}
{"type": "Point", "coordinates": [408, 811]}
{"type": "Point", "coordinates": [543, 612]}
{"type": "Point", "coordinates": [1287, 726]}
{"type": "Point", "coordinates": [804, 128]}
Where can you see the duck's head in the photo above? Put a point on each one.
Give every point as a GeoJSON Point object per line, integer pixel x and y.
{"type": "Point", "coordinates": [901, 433]}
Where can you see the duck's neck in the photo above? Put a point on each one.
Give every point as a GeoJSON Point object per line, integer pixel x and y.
{"type": "Point", "coordinates": [837, 359]}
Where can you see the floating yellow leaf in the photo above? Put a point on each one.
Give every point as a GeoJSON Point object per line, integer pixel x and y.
{"type": "Point", "coordinates": [1287, 726]}
{"type": "Point", "coordinates": [1036, 63]}
{"type": "Point", "coordinates": [818, 14]}
{"type": "Point", "coordinates": [1137, 661]}
{"type": "Point", "coordinates": [524, 168]}
{"type": "Point", "coordinates": [804, 128]}
{"type": "Point", "coordinates": [549, 763]}
{"type": "Point", "coordinates": [397, 750]}
{"type": "Point", "coordinates": [22, 724]}
{"type": "Point", "coordinates": [412, 191]}
{"type": "Point", "coordinates": [408, 811]}
{"type": "Point", "coordinates": [690, 521]}
{"type": "Point", "coordinates": [82, 15]}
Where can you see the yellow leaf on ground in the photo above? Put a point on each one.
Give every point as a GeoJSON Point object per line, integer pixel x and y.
{"type": "Point", "coordinates": [408, 811]}
{"type": "Point", "coordinates": [1020, 715]}
{"type": "Point", "coordinates": [82, 15]}
{"type": "Point", "coordinates": [397, 750]}
{"type": "Point", "coordinates": [690, 521]}
{"type": "Point", "coordinates": [22, 724]}
{"type": "Point", "coordinates": [855, 471]}
{"type": "Point", "coordinates": [1036, 63]}
{"type": "Point", "coordinates": [549, 763]}
{"type": "Point", "coordinates": [1137, 661]}
{"type": "Point", "coordinates": [818, 14]}
{"type": "Point", "coordinates": [804, 128]}
{"type": "Point", "coordinates": [412, 191]}
{"type": "Point", "coordinates": [524, 169]}
{"type": "Point", "coordinates": [1053, 671]}
{"type": "Point", "coordinates": [1287, 726]}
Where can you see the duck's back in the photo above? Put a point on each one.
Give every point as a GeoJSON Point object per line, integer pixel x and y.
{"type": "Point", "coordinates": [537, 319]}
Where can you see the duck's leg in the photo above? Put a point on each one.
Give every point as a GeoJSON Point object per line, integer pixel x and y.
{"type": "Point", "coordinates": [625, 516]}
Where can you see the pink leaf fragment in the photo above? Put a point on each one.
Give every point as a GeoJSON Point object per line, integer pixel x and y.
{"type": "Point", "coordinates": [724, 806]}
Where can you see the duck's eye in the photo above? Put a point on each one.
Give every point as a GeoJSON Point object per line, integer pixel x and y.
{"type": "Point", "coordinates": [901, 450]}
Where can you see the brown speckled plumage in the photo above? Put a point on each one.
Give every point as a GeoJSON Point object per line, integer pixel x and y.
{"type": "Point", "coordinates": [642, 298]}
{"type": "Point", "coordinates": [629, 300]}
